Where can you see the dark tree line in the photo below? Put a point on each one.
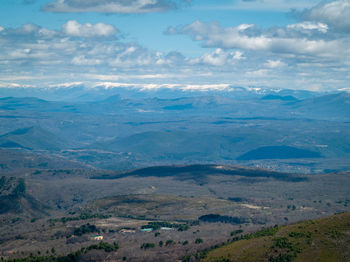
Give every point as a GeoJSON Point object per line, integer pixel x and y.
{"type": "Point", "coordinates": [214, 218]}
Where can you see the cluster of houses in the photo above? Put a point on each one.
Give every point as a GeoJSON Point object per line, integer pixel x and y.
{"type": "Point", "coordinates": [127, 231]}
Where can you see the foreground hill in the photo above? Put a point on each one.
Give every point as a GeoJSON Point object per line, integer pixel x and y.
{"type": "Point", "coordinates": [325, 239]}
{"type": "Point", "coordinates": [15, 199]}
{"type": "Point", "coordinates": [59, 208]}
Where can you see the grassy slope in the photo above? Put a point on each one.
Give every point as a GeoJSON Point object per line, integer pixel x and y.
{"type": "Point", "coordinates": [326, 239]}
{"type": "Point", "coordinates": [160, 206]}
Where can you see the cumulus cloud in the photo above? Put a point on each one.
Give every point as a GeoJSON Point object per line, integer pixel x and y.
{"type": "Point", "coordinates": [73, 28]}
{"type": "Point", "coordinates": [27, 31]}
{"type": "Point", "coordinates": [82, 60]}
{"type": "Point", "coordinates": [314, 49]}
{"type": "Point", "coordinates": [219, 57]}
{"type": "Point", "coordinates": [112, 6]}
{"type": "Point", "coordinates": [244, 54]}
{"type": "Point", "coordinates": [71, 53]}
{"type": "Point", "coordinates": [278, 5]}
{"type": "Point", "coordinates": [258, 73]}
{"type": "Point", "coordinates": [336, 14]}
{"type": "Point", "coordinates": [31, 46]}
{"type": "Point", "coordinates": [275, 64]}
{"type": "Point", "coordinates": [171, 58]}
{"type": "Point", "coordinates": [287, 40]}
{"type": "Point", "coordinates": [305, 26]}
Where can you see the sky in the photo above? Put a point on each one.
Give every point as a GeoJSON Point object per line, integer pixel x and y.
{"type": "Point", "coordinates": [195, 44]}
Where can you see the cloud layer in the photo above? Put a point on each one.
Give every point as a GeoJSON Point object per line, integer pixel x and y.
{"type": "Point", "coordinates": [112, 6]}
{"type": "Point", "coordinates": [336, 14]}
{"type": "Point", "coordinates": [311, 53]}
{"type": "Point", "coordinates": [73, 28]}
{"type": "Point", "coordinates": [302, 39]}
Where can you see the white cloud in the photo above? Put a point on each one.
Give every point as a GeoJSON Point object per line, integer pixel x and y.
{"type": "Point", "coordinates": [67, 84]}
{"type": "Point", "coordinates": [56, 54]}
{"type": "Point", "coordinates": [276, 5]}
{"type": "Point", "coordinates": [218, 87]}
{"type": "Point", "coordinates": [268, 49]}
{"type": "Point", "coordinates": [15, 85]}
{"type": "Point", "coordinates": [29, 28]}
{"type": "Point", "coordinates": [73, 28]}
{"type": "Point", "coordinates": [82, 60]}
{"type": "Point", "coordinates": [258, 73]}
{"type": "Point", "coordinates": [112, 6]}
{"type": "Point", "coordinates": [218, 57]}
{"type": "Point", "coordinates": [279, 40]}
{"type": "Point", "coordinates": [275, 64]}
{"type": "Point", "coordinates": [310, 26]}
{"type": "Point", "coordinates": [243, 27]}
{"type": "Point", "coordinates": [74, 46]}
{"type": "Point", "coordinates": [154, 86]}
{"type": "Point", "coordinates": [242, 55]}
{"type": "Point", "coordinates": [336, 14]}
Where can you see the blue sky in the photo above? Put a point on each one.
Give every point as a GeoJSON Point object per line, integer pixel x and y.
{"type": "Point", "coordinates": [175, 43]}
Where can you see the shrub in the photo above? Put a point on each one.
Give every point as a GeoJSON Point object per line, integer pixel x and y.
{"type": "Point", "coordinates": [198, 241]}
{"type": "Point", "coordinates": [147, 245]}
{"type": "Point", "coordinates": [169, 242]}
{"type": "Point", "coordinates": [84, 229]}
{"type": "Point", "coordinates": [236, 232]}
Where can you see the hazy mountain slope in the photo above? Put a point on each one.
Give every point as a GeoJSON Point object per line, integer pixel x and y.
{"type": "Point", "coordinates": [12, 103]}
{"type": "Point", "coordinates": [211, 145]}
{"type": "Point", "coordinates": [11, 160]}
{"type": "Point", "coordinates": [34, 138]}
{"type": "Point", "coordinates": [123, 132]}
{"type": "Point", "coordinates": [172, 145]}
{"type": "Point", "coordinates": [331, 107]}
{"type": "Point", "coordinates": [278, 152]}
{"type": "Point", "coordinates": [30, 105]}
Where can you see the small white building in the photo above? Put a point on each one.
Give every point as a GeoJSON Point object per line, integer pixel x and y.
{"type": "Point", "coordinates": [96, 237]}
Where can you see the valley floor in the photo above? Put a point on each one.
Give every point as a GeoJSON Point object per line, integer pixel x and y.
{"type": "Point", "coordinates": [188, 209]}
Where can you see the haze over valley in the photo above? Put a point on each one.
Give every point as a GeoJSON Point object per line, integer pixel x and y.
{"type": "Point", "coordinates": [291, 131]}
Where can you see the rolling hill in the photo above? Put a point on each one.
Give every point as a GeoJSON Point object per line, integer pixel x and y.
{"type": "Point", "coordinates": [332, 106]}
{"type": "Point", "coordinates": [199, 173]}
{"type": "Point", "coordinates": [32, 138]}
{"type": "Point", "coordinates": [278, 152]}
{"type": "Point", "coordinates": [11, 160]}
